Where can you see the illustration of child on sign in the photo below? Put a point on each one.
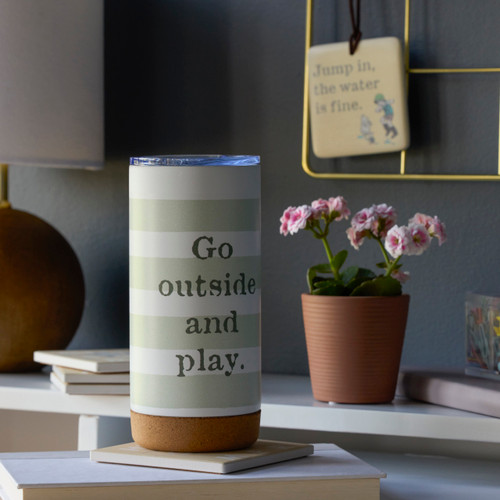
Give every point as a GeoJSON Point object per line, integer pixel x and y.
{"type": "Point", "coordinates": [366, 129]}
{"type": "Point", "coordinates": [384, 105]}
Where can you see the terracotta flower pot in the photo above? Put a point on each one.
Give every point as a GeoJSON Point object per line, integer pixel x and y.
{"type": "Point", "coordinates": [354, 346]}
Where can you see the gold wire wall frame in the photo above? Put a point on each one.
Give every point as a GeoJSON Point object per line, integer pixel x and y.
{"type": "Point", "coordinates": [402, 175]}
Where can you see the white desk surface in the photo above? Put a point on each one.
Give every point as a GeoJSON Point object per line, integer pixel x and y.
{"type": "Point", "coordinates": [412, 477]}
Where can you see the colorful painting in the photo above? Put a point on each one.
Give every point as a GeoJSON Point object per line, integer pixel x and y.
{"type": "Point", "coordinates": [482, 332]}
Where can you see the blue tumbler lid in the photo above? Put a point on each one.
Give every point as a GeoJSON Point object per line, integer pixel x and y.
{"type": "Point", "coordinates": [194, 160]}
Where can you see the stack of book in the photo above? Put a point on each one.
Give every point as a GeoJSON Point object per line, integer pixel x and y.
{"type": "Point", "coordinates": [451, 388]}
{"type": "Point", "coordinates": [267, 470]}
{"type": "Point", "coordinates": [98, 371]}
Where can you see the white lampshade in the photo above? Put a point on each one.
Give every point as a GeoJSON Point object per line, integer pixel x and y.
{"type": "Point", "coordinates": [52, 83]}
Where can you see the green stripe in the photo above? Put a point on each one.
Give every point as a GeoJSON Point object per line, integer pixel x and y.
{"type": "Point", "coordinates": [195, 215]}
{"type": "Point", "coordinates": [147, 272]}
{"type": "Point", "coordinates": [206, 391]}
{"type": "Point", "coordinates": [159, 332]}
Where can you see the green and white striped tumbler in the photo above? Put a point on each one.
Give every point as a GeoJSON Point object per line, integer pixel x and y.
{"type": "Point", "coordinates": [195, 362]}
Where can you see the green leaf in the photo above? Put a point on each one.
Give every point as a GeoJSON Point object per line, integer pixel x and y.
{"type": "Point", "coordinates": [339, 259]}
{"type": "Point", "coordinates": [322, 268]}
{"type": "Point", "coordinates": [366, 273]}
{"type": "Point", "coordinates": [354, 276]}
{"type": "Point", "coordinates": [322, 283]}
{"type": "Point", "coordinates": [313, 271]}
{"type": "Point", "coordinates": [381, 286]}
{"type": "Point", "coordinates": [330, 287]}
{"type": "Point", "coordinates": [353, 284]}
{"type": "Point", "coordinates": [349, 274]}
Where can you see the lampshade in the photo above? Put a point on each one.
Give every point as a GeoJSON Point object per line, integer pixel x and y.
{"type": "Point", "coordinates": [51, 83]}
{"type": "Point", "coordinates": [51, 115]}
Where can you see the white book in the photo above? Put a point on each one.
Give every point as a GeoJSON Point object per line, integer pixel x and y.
{"type": "Point", "coordinates": [263, 452]}
{"type": "Point", "coordinates": [90, 389]}
{"type": "Point", "coordinates": [72, 376]}
{"type": "Point", "coordinates": [93, 360]}
{"type": "Point", "coordinates": [329, 473]}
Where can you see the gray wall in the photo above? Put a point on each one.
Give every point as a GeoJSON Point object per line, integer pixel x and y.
{"type": "Point", "coordinates": [226, 76]}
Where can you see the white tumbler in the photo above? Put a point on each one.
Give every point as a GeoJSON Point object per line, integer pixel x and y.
{"type": "Point", "coordinates": [195, 362]}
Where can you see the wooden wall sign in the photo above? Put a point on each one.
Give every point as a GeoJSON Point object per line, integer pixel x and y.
{"type": "Point", "coordinates": [357, 102]}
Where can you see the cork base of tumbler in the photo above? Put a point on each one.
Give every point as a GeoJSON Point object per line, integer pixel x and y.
{"type": "Point", "coordinates": [195, 434]}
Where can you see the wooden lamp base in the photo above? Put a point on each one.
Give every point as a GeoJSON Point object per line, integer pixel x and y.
{"type": "Point", "coordinates": [42, 290]}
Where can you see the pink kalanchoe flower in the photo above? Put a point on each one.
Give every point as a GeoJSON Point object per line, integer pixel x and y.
{"type": "Point", "coordinates": [385, 211]}
{"type": "Point", "coordinates": [419, 239]}
{"type": "Point", "coordinates": [384, 218]}
{"type": "Point", "coordinates": [298, 218]}
{"type": "Point", "coordinates": [423, 219]}
{"type": "Point", "coordinates": [434, 226]}
{"type": "Point", "coordinates": [320, 207]}
{"type": "Point", "coordinates": [285, 219]}
{"type": "Point", "coordinates": [397, 241]}
{"type": "Point", "coordinates": [363, 220]}
{"type": "Point", "coordinates": [437, 230]}
{"type": "Point", "coordinates": [339, 205]}
{"type": "Point", "coordinates": [401, 276]}
{"type": "Point", "coordinates": [355, 237]}
{"type": "Point", "coordinates": [376, 220]}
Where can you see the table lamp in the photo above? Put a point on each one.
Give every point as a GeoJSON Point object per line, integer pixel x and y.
{"type": "Point", "coordinates": [51, 115]}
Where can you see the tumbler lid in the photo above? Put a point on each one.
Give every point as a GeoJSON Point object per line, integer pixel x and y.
{"type": "Point", "coordinates": [195, 160]}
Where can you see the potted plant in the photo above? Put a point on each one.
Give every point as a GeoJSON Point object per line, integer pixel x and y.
{"type": "Point", "coordinates": [355, 318]}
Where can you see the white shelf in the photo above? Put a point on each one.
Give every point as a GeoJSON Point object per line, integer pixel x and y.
{"type": "Point", "coordinates": [34, 392]}
{"type": "Point", "coordinates": [287, 403]}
